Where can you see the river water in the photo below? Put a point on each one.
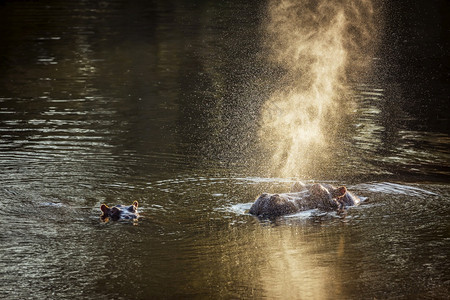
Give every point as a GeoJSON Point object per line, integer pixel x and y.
{"type": "Point", "coordinates": [116, 101]}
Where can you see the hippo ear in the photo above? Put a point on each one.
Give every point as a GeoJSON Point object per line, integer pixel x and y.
{"type": "Point", "coordinates": [297, 187]}
{"type": "Point", "coordinates": [135, 204]}
{"type": "Point", "coordinates": [339, 192]}
{"type": "Point", "coordinates": [104, 208]}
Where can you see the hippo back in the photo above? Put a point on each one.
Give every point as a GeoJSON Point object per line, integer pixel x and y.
{"type": "Point", "coordinates": [272, 205]}
{"type": "Point", "coordinates": [303, 197]}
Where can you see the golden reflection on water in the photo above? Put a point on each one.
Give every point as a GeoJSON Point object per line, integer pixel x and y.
{"type": "Point", "coordinates": [300, 266]}
{"type": "Point", "coordinates": [284, 262]}
{"type": "Point", "coordinates": [292, 272]}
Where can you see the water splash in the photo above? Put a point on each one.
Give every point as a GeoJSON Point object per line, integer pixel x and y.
{"type": "Point", "coordinates": [319, 44]}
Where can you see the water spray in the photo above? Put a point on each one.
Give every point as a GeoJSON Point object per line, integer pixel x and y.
{"type": "Point", "coordinates": [319, 44]}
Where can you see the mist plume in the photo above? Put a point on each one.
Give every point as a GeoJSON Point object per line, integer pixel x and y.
{"type": "Point", "coordinates": [320, 45]}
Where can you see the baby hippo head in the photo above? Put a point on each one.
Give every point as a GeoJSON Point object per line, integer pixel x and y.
{"type": "Point", "coordinates": [120, 212]}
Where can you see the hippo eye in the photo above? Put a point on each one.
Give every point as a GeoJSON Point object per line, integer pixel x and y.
{"type": "Point", "coordinates": [131, 208]}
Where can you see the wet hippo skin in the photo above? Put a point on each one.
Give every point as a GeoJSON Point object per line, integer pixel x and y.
{"type": "Point", "coordinates": [303, 197]}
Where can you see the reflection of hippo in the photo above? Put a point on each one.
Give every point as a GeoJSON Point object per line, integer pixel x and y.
{"type": "Point", "coordinates": [303, 197]}
{"type": "Point", "coordinates": [120, 212]}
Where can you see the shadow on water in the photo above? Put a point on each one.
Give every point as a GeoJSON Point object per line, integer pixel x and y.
{"type": "Point", "coordinates": [159, 102]}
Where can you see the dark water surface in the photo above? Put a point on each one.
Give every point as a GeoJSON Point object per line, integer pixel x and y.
{"type": "Point", "coordinates": [116, 101]}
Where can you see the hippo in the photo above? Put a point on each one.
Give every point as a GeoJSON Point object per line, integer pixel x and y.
{"type": "Point", "coordinates": [119, 212]}
{"type": "Point", "coordinates": [303, 197]}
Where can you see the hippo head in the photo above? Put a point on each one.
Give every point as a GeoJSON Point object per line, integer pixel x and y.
{"type": "Point", "coordinates": [120, 212]}
{"type": "Point", "coordinates": [327, 197]}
